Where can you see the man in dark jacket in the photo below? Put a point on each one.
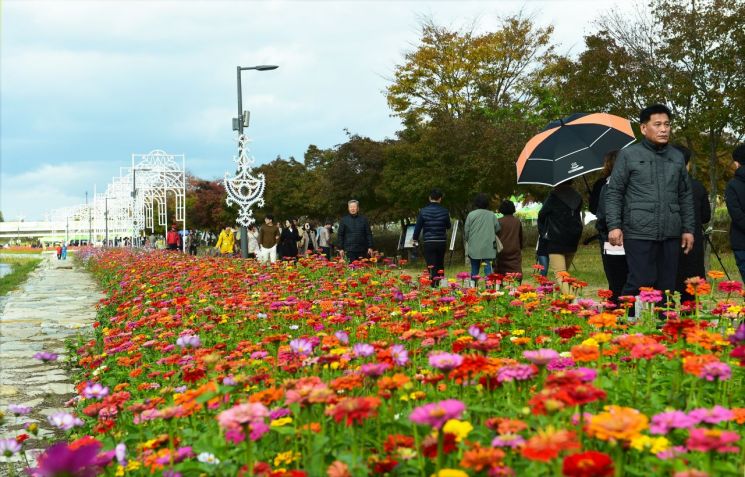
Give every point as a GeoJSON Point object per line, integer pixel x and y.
{"type": "Point", "coordinates": [734, 195]}
{"type": "Point", "coordinates": [649, 205]}
{"type": "Point", "coordinates": [354, 236]}
{"type": "Point", "coordinates": [434, 220]}
{"type": "Point", "coordinates": [692, 264]}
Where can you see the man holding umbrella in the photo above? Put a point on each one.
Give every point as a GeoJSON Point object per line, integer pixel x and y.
{"type": "Point", "coordinates": [649, 205]}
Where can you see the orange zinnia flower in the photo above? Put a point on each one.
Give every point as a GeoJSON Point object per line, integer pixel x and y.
{"type": "Point", "coordinates": [585, 353]}
{"type": "Point", "coordinates": [694, 364]}
{"type": "Point", "coordinates": [617, 423]}
{"type": "Point", "coordinates": [697, 286]}
{"type": "Point", "coordinates": [715, 274]}
{"type": "Point", "coordinates": [547, 444]}
{"type": "Point", "coordinates": [479, 458]}
{"type": "Point", "coordinates": [603, 320]}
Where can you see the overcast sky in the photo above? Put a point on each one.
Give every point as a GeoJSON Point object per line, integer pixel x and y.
{"type": "Point", "coordinates": [84, 84]}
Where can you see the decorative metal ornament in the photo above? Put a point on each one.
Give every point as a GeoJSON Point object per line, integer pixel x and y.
{"type": "Point", "coordinates": [244, 190]}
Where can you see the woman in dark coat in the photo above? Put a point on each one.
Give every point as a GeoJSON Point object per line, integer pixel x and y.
{"type": "Point", "coordinates": [510, 259]}
{"type": "Point", "coordinates": [288, 238]}
{"type": "Point", "coordinates": [692, 264]}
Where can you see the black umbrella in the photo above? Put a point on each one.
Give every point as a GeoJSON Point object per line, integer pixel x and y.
{"type": "Point", "coordinates": [571, 147]}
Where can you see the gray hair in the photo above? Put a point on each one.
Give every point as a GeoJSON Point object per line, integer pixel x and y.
{"type": "Point", "coordinates": [353, 201]}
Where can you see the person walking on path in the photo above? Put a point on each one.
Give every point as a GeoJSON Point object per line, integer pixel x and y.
{"type": "Point", "coordinates": [561, 220]}
{"type": "Point", "coordinates": [64, 250]}
{"type": "Point", "coordinates": [324, 239]}
{"type": "Point", "coordinates": [288, 239]}
{"type": "Point", "coordinates": [692, 264]}
{"type": "Point", "coordinates": [649, 205]}
{"type": "Point", "coordinates": [226, 241]}
{"type": "Point", "coordinates": [253, 240]}
{"type": "Point", "coordinates": [734, 196]}
{"type": "Point", "coordinates": [173, 239]}
{"type": "Point", "coordinates": [268, 239]}
{"type": "Point", "coordinates": [355, 236]}
{"type": "Point", "coordinates": [614, 258]}
{"type": "Point", "coordinates": [434, 221]}
{"type": "Point", "coordinates": [480, 232]}
{"type": "Point", "coordinates": [510, 259]}
{"type": "Point", "coordinates": [307, 239]}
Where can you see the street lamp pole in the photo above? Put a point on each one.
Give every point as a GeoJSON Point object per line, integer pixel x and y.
{"type": "Point", "coordinates": [244, 230]}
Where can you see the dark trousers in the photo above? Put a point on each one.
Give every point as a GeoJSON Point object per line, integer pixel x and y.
{"type": "Point", "coordinates": [434, 255]}
{"type": "Point", "coordinates": [740, 260]}
{"type": "Point", "coordinates": [352, 255]}
{"type": "Point", "coordinates": [327, 252]}
{"type": "Point", "coordinates": [616, 271]}
{"type": "Point", "coordinates": [652, 263]}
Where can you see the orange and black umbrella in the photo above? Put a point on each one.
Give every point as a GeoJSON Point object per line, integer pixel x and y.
{"type": "Point", "coordinates": [571, 147]}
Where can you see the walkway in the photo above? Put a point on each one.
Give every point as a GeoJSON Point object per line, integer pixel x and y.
{"type": "Point", "coordinates": [56, 302]}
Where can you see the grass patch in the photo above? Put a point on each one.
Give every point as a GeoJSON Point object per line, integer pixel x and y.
{"type": "Point", "coordinates": [20, 269]}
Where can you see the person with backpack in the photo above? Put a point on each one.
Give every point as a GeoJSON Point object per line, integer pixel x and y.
{"type": "Point", "coordinates": [560, 221]}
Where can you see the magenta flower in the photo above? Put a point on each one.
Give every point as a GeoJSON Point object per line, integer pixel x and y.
{"type": "Point", "coordinates": [671, 453]}
{"type": "Point", "coordinates": [189, 341]}
{"type": "Point", "coordinates": [586, 375]}
{"type": "Point", "coordinates": [9, 447]}
{"type": "Point", "coordinates": [342, 336]}
{"type": "Point", "coordinates": [444, 361]}
{"type": "Point", "coordinates": [64, 421]}
{"type": "Point", "coordinates": [61, 459]}
{"type": "Point", "coordinates": [541, 357]}
{"type": "Point", "coordinates": [518, 372]}
{"type": "Point", "coordinates": [95, 391]}
{"type": "Point", "coordinates": [399, 354]}
{"type": "Point", "coordinates": [712, 440]}
{"type": "Point", "coordinates": [560, 364]}
{"type": "Point", "coordinates": [301, 346]}
{"type": "Point", "coordinates": [666, 421]}
{"type": "Point", "coordinates": [46, 356]}
{"type": "Point", "coordinates": [650, 296]}
{"type": "Point", "coordinates": [19, 410]}
{"type": "Point", "coordinates": [436, 414]}
{"type": "Point", "coordinates": [477, 333]}
{"type": "Point", "coordinates": [374, 369]}
{"type": "Point", "coordinates": [715, 371]}
{"type": "Point", "coordinates": [714, 415]}
{"type": "Point", "coordinates": [362, 350]}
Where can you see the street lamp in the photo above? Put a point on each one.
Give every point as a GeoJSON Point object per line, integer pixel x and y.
{"type": "Point", "coordinates": [238, 124]}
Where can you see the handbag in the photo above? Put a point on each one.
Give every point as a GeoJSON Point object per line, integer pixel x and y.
{"type": "Point", "coordinates": [498, 245]}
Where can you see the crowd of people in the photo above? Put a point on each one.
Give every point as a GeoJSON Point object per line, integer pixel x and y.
{"type": "Point", "coordinates": [650, 218]}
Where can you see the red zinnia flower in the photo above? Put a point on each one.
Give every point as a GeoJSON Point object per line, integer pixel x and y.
{"type": "Point", "coordinates": [588, 464]}
{"type": "Point", "coordinates": [354, 409]}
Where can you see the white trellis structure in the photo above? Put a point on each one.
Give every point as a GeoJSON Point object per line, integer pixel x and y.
{"type": "Point", "coordinates": [156, 176]}
{"type": "Point", "coordinates": [131, 202]}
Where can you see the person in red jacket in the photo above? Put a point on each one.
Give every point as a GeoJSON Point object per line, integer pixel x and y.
{"type": "Point", "coordinates": [173, 239]}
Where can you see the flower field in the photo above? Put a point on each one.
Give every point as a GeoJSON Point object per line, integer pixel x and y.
{"type": "Point", "coordinates": [211, 366]}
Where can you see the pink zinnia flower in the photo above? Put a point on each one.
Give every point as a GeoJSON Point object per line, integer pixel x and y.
{"type": "Point", "coordinates": [714, 415]}
{"type": "Point", "coordinates": [729, 286]}
{"type": "Point", "coordinates": [63, 459]}
{"type": "Point", "coordinates": [399, 354]}
{"type": "Point", "coordinates": [189, 341]}
{"type": "Point", "coordinates": [95, 391]}
{"type": "Point", "coordinates": [652, 296]}
{"type": "Point", "coordinates": [666, 421]}
{"type": "Point", "coordinates": [518, 372]}
{"type": "Point", "coordinates": [301, 346]}
{"type": "Point", "coordinates": [363, 350]}
{"type": "Point", "coordinates": [508, 440]}
{"type": "Point", "coordinates": [241, 414]}
{"type": "Point", "coordinates": [46, 356]}
{"type": "Point", "coordinates": [445, 361]}
{"type": "Point", "coordinates": [64, 421]}
{"type": "Point", "coordinates": [342, 336]}
{"type": "Point", "coordinates": [715, 370]}
{"type": "Point", "coordinates": [540, 357]}
{"type": "Point", "coordinates": [9, 447]}
{"type": "Point", "coordinates": [712, 440]}
{"type": "Point", "coordinates": [19, 409]}
{"type": "Point", "coordinates": [436, 414]}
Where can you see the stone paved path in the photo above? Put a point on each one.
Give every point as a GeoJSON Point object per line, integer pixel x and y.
{"type": "Point", "coordinates": [56, 302]}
